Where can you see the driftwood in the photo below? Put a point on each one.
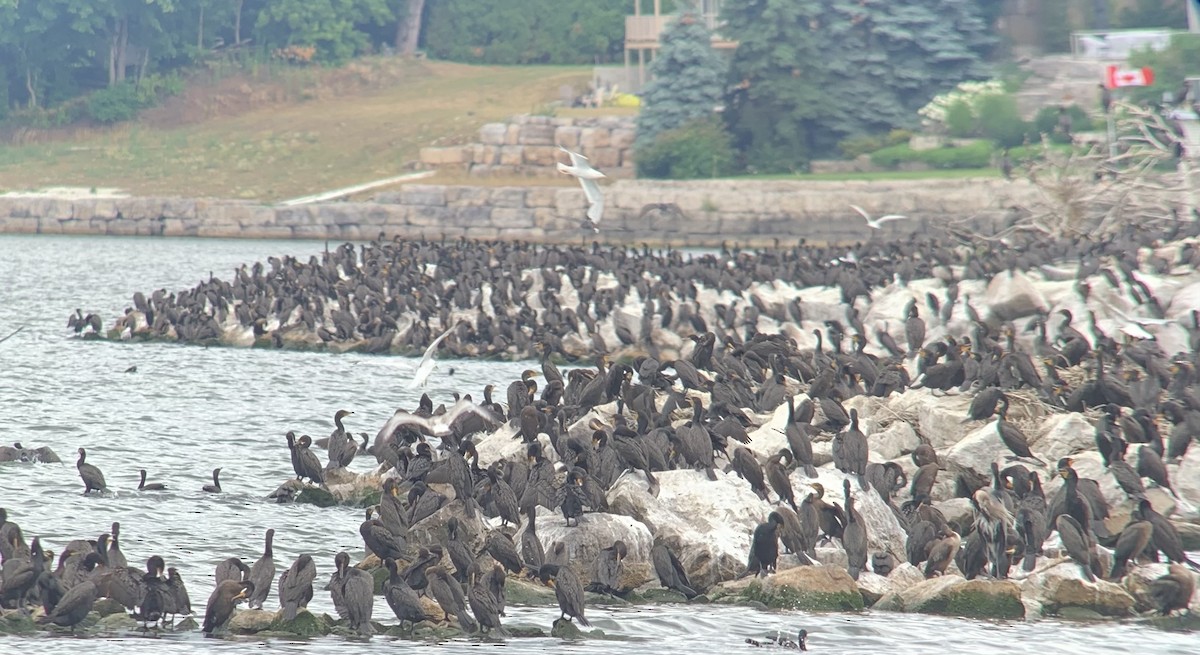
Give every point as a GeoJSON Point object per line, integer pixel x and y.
{"type": "Point", "coordinates": [1090, 192]}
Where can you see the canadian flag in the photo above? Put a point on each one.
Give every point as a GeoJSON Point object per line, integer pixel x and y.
{"type": "Point", "coordinates": [1117, 77]}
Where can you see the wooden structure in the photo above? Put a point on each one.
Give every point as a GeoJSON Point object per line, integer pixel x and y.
{"type": "Point", "coordinates": [643, 31]}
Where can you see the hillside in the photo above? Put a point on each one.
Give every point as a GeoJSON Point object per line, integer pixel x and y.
{"type": "Point", "coordinates": [281, 138]}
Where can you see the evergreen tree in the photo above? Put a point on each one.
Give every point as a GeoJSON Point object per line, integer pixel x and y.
{"type": "Point", "coordinates": [687, 79]}
{"type": "Point", "coordinates": [812, 72]}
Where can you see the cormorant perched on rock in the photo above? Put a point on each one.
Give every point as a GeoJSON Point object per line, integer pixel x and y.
{"type": "Point", "coordinates": [764, 547]}
{"type": "Point", "coordinates": [449, 595]}
{"type": "Point", "coordinates": [295, 586]}
{"type": "Point", "coordinates": [1077, 543]}
{"type": "Point", "coordinates": [486, 599]}
{"type": "Point", "coordinates": [1130, 544]}
{"type": "Point", "coordinates": [670, 571]}
{"type": "Point", "coordinates": [262, 573]}
{"type": "Point", "coordinates": [942, 551]}
{"type": "Point", "coordinates": [914, 329]}
{"type": "Point", "coordinates": [854, 537]}
{"type": "Point", "coordinates": [1173, 591]}
{"type": "Point", "coordinates": [850, 450]}
{"type": "Point", "coordinates": [777, 475]}
{"type": "Point", "coordinates": [401, 597]}
{"type": "Point", "coordinates": [831, 517]}
{"type": "Point", "coordinates": [75, 604]}
{"type": "Point", "coordinates": [115, 556]}
{"type": "Point", "coordinates": [355, 588]}
{"type": "Point", "coordinates": [983, 405]}
{"type": "Point", "coordinates": [1166, 536]}
{"type": "Point", "coordinates": [222, 601]}
{"type": "Point", "coordinates": [1011, 435]}
{"type": "Point", "coordinates": [93, 479]}
{"type": "Point", "coordinates": [231, 568]}
{"type": "Point", "coordinates": [606, 569]}
{"type": "Point", "coordinates": [567, 589]}
{"type": "Point", "coordinates": [379, 540]}
{"type": "Point", "coordinates": [746, 465]}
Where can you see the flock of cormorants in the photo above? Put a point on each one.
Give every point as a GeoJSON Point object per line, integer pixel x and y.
{"type": "Point", "coordinates": [694, 412]}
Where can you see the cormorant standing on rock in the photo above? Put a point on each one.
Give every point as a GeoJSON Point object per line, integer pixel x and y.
{"type": "Point", "coordinates": [670, 571]}
{"type": "Point", "coordinates": [854, 538]}
{"type": "Point", "coordinates": [567, 589]}
{"type": "Point", "coordinates": [222, 601]}
{"type": "Point", "coordinates": [764, 547]}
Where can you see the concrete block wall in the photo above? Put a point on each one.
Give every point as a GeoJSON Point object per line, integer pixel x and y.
{"type": "Point", "coordinates": [527, 146]}
{"type": "Point", "coordinates": [695, 213]}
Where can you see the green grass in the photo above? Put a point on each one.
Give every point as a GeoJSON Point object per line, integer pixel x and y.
{"type": "Point", "coordinates": [939, 174]}
{"type": "Point", "coordinates": [324, 136]}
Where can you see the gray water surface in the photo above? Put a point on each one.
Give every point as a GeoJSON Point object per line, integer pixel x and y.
{"type": "Point", "coordinates": [189, 409]}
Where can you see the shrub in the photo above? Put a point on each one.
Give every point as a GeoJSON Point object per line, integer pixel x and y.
{"type": "Point", "coordinates": [959, 120]}
{"type": "Point", "coordinates": [699, 149]}
{"type": "Point", "coordinates": [896, 137]}
{"type": "Point", "coordinates": [1046, 122]}
{"type": "Point", "coordinates": [860, 144]}
{"type": "Point", "coordinates": [974, 155]}
{"type": "Point", "coordinates": [114, 104]}
{"type": "Point", "coordinates": [1000, 121]}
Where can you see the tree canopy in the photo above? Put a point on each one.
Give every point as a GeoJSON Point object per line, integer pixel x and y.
{"type": "Point", "coordinates": [808, 73]}
{"type": "Point", "coordinates": [687, 80]}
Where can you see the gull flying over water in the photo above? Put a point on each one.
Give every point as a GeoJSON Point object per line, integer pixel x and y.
{"type": "Point", "coordinates": [427, 364]}
{"type": "Point", "coordinates": [587, 176]}
{"type": "Point", "coordinates": [877, 223]}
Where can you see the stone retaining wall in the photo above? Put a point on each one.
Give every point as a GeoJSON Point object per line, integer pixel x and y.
{"type": "Point", "coordinates": [678, 213]}
{"type": "Point", "coordinates": [528, 146]}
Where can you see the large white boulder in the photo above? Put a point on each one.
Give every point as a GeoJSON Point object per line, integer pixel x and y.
{"type": "Point", "coordinates": [708, 522]}
{"type": "Point", "coordinates": [1063, 435]}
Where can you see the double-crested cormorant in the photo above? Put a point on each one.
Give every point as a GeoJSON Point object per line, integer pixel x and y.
{"type": "Point", "coordinates": [74, 606]}
{"type": "Point", "coordinates": [295, 586]}
{"type": "Point", "coordinates": [379, 539]}
{"type": "Point", "coordinates": [1174, 590]}
{"type": "Point", "coordinates": [532, 552]}
{"type": "Point", "coordinates": [93, 479]}
{"type": "Point", "coordinates": [567, 589]}
{"type": "Point", "coordinates": [401, 597]}
{"type": "Point", "coordinates": [606, 569]}
{"type": "Point", "coordinates": [830, 516]}
{"type": "Point", "coordinates": [232, 568]}
{"type": "Point", "coordinates": [1011, 435]}
{"type": "Point", "coordinates": [764, 547]}
{"type": "Point", "coordinates": [1130, 544]}
{"type": "Point", "coordinates": [941, 552]}
{"type": "Point", "coordinates": [449, 595]}
{"type": "Point", "coordinates": [854, 537]}
{"type": "Point", "coordinates": [115, 557]}
{"type": "Point", "coordinates": [262, 573]}
{"type": "Point", "coordinates": [850, 450]}
{"type": "Point", "coordinates": [670, 571]}
{"type": "Point", "coordinates": [153, 486]}
{"type": "Point", "coordinates": [215, 487]}
{"type": "Point", "coordinates": [500, 546]}
{"type": "Point", "coordinates": [486, 599]}
{"type": "Point", "coordinates": [777, 475]}
{"type": "Point", "coordinates": [746, 465]}
{"type": "Point", "coordinates": [1077, 543]}
{"type": "Point", "coordinates": [222, 601]}
{"type": "Point", "coordinates": [423, 502]}
{"type": "Point", "coordinates": [356, 589]}
{"type": "Point", "coordinates": [176, 601]}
